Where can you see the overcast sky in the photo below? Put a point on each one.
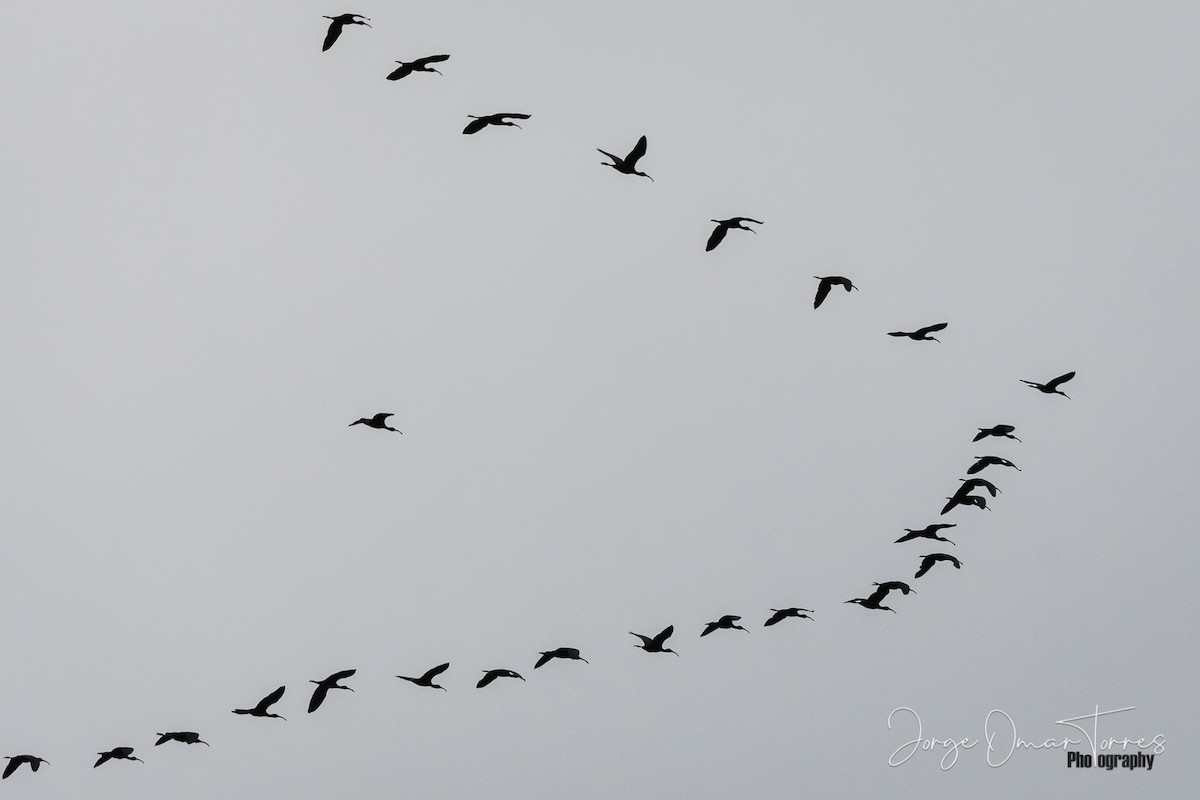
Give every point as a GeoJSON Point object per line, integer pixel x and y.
{"type": "Point", "coordinates": [222, 245]}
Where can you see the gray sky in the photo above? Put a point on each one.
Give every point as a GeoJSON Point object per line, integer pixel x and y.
{"type": "Point", "coordinates": [222, 246]}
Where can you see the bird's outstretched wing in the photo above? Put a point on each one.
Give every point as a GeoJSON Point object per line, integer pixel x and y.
{"type": "Point", "coordinates": [822, 292]}
{"type": "Point", "coordinates": [716, 236]}
{"type": "Point", "coordinates": [637, 152]}
{"type": "Point", "coordinates": [400, 71]}
{"type": "Point", "coordinates": [427, 60]}
{"type": "Point", "coordinates": [12, 765]}
{"type": "Point", "coordinates": [610, 155]}
{"type": "Point", "coordinates": [512, 116]}
{"type": "Point", "coordinates": [318, 697]}
{"type": "Point", "coordinates": [709, 628]}
{"type": "Point", "coordinates": [941, 326]}
{"type": "Point", "coordinates": [346, 673]}
{"type": "Point", "coordinates": [433, 673]}
{"type": "Point", "coordinates": [378, 419]}
{"type": "Point", "coordinates": [546, 656]}
{"type": "Point", "coordinates": [476, 125]}
{"type": "Point", "coordinates": [270, 699]}
{"type": "Point", "coordinates": [663, 635]}
{"type": "Point", "coordinates": [1061, 379]}
{"type": "Point", "coordinates": [335, 30]}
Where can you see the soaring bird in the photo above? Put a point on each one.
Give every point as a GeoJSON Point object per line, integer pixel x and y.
{"type": "Point", "coordinates": [827, 283]}
{"type": "Point", "coordinates": [427, 679]}
{"type": "Point", "coordinates": [420, 65]}
{"type": "Point", "coordinates": [727, 621]}
{"type": "Point", "coordinates": [560, 652]}
{"type": "Point", "coordinates": [960, 499]}
{"type": "Point", "coordinates": [324, 685]}
{"type": "Point", "coordinates": [1051, 387]}
{"type": "Point", "coordinates": [339, 22]}
{"type": "Point", "coordinates": [928, 532]}
{"type": "Point", "coordinates": [724, 226]}
{"type": "Point", "coordinates": [929, 560]}
{"type": "Point", "coordinates": [490, 675]}
{"type": "Point", "coordinates": [971, 484]}
{"type": "Point", "coordinates": [874, 600]}
{"type": "Point", "coordinates": [895, 586]}
{"type": "Point", "coordinates": [655, 644]}
{"type": "Point", "coordinates": [922, 334]}
{"type": "Point", "coordinates": [984, 462]}
{"type": "Point", "coordinates": [628, 164]}
{"type": "Point", "coordinates": [783, 613]}
{"type": "Point", "coordinates": [260, 710]}
{"type": "Point", "coordinates": [15, 761]}
{"type": "Point", "coordinates": [125, 753]}
{"type": "Point", "coordinates": [479, 123]}
{"type": "Point", "coordinates": [996, 430]}
{"type": "Point", "coordinates": [187, 737]}
{"type": "Point", "coordinates": [378, 421]}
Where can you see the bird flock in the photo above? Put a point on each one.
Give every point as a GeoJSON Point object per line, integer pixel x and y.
{"type": "Point", "coordinates": [964, 495]}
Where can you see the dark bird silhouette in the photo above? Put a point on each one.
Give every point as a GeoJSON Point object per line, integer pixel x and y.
{"type": "Point", "coordinates": [479, 123]}
{"type": "Point", "coordinates": [929, 560]}
{"type": "Point", "coordinates": [490, 675]}
{"type": "Point", "coordinates": [15, 761]}
{"type": "Point", "coordinates": [783, 613]}
{"type": "Point", "coordinates": [628, 164]}
{"type": "Point", "coordinates": [724, 226]}
{"type": "Point", "coordinates": [959, 499]}
{"type": "Point", "coordinates": [996, 430]}
{"type": "Point", "coordinates": [922, 334]}
{"type": "Point", "coordinates": [987, 461]}
{"type": "Point", "coordinates": [874, 600]}
{"type": "Point", "coordinates": [378, 421]}
{"type": "Point", "coordinates": [187, 737]}
{"type": "Point", "coordinates": [727, 621]}
{"type": "Point", "coordinates": [1051, 387]}
{"type": "Point", "coordinates": [928, 532]}
{"type": "Point", "coordinates": [427, 679]}
{"type": "Point", "coordinates": [895, 586]}
{"type": "Point", "coordinates": [827, 283]}
{"type": "Point", "coordinates": [971, 484]}
{"type": "Point", "coordinates": [125, 753]}
{"type": "Point", "coordinates": [260, 710]}
{"type": "Point", "coordinates": [561, 652]}
{"type": "Point", "coordinates": [655, 644]}
{"type": "Point", "coordinates": [339, 22]}
{"type": "Point", "coordinates": [420, 65]}
{"type": "Point", "coordinates": [324, 685]}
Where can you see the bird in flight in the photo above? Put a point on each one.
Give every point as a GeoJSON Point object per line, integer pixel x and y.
{"type": "Point", "coordinates": [125, 753]}
{"type": "Point", "coordinates": [875, 599]}
{"type": "Point", "coordinates": [928, 532]}
{"type": "Point", "coordinates": [561, 652]}
{"type": "Point", "coordinates": [783, 613]}
{"type": "Point", "coordinates": [378, 421]}
{"type": "Point", "coordinates": [724, 226]}
{"type": "Point", "coordinates": [427, 679]}
{"type": "Point", "coordinates": [339, 22]}
{"type": "Point", "coordinates": [827, 283]}
{"type": "Point", "coordinates": [971, 484]}
{"type": "Point", "coordinates": [490, 675]}
{"type": "Point", "coordinates": [960, 499]}
{"type": "Point", "coordinates": [420, 65]}
{"type": "Point", "coordinates": [996, 430]}
{"type": "Point", "coordinates": [15, 761]}
{"type": "Point", "coordinates": [655, 644]}
{"type": "Point", "coordinates": [324, 685]}
{"type": "Point", "coordinates": [929, 560]}
{"type": "Point", "coordinates": [727, 621]}
{"type": "Point", "coordinates": [260, 710]}
{"type": "Point", "coordinates": [628, 164]}
{"type": "Point", "coordinates": [479, 123]}
{"type": "Point", "coordinates": [1051, 387]}
{"type": "Point", "coordinates": [984, 462]}
{"type": "Point", "coordinates": [187, 737]}
{"type": "Point", "coordinates": [895, 586]}
{"type": "Point", "coordinates": [922, 334]}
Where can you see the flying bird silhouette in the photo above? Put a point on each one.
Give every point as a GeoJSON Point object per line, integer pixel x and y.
{"type": "Point", "coordinates": [325, 684]}
{"type": "Point", "coordinates": [960, 499]}
{"type": "Point", "coordinates": [655, 644]}
{"type": "Point", "coordinates": [874, 600]}
{"type": "Point", "coordinates": [339, 22]}
{"type": "Point", "coordinates": [378, 421]}
{"type": "Point", "coordinates": [479, 123]}
{"type": "Point", "coordinates": [427, 679]}
{"type": "Point", "coordinates": [929, 560]}
{"type": "Point", "coordinates": [561, 652]}
{"type": "Point", "coordinates": [727, 621]}
{"type": "Point", "coordinates": [15, 761]}
{"type": "Point", "coordinates": [895, 586]}
{"type": "Point", "coordinates": [260, 710]}
{"type": "Point", "coordinates": [628, 164]}
{"type": "Point", "coordinates": [125, 753]}
{"type": "Point", "coordinates": [490, 675]}
{"type": "Point", "coordinates": [984, 462]}
{"type": "Point", "coordinates": [420, 65]}
{"type": "Point", "coordinates": [971, 484]}
{"type": "Point", "coordinates": [922, 334]}
{"type": "Point", "coordinates": [827, 283]}
{"type": "Point", "coordinates": [928, 532]}
{"type": "Point", "coordinates": [783, 613]}
{"type": "Point", "coordinates": [187, 737]}
{"type": "Point", "coordinates": [724, 226]}
{"type": "Point", "coordinates": [996, 430]}
{"type": "Point", "coordinates": [1051, 387]}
